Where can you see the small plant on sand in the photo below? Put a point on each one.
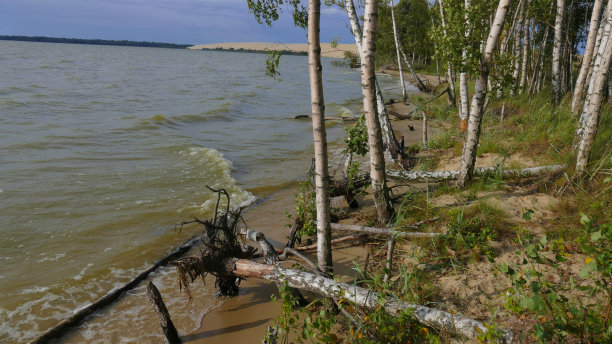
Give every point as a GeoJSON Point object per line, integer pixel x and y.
{"type": "Point", "coordinates": [568, 308]}
{"type": "Point", "coordinates": [356, 139]}
{"type": "Point", "coordinates": [305, 324]}
{"type": "Point", "coordinates": [469, 232]}
{"type": "Point", "coordinates": [305, 207]}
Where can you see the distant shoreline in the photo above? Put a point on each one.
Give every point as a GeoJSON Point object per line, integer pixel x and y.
{"type": "Point", "coordinates": [124, 43]}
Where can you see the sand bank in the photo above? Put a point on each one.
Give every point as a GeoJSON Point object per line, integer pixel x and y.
{"type": "Point", "coordinates": [326, 48]}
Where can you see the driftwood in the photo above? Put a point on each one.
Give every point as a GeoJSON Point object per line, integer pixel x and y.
{"type": "Point", "coordinates": [383, 231]}
{"type": "Point", "coordinates": [162, 313]}
{"type": "Point", "coordinates": [448, 175]}
{"type": "Point", "coordinates": [343, 119]}
{"type": "Point", "coordinates": [453, 323]}
{"type": "Point", "coordinates": [335, 241]}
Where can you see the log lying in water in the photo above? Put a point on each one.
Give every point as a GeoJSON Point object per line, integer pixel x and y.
{"type": "Point", "coordinates": [453, 323]}
{"type": "Point", "coordinates": [74, 320]}
{"type": "Point", "coordinates": [162, 313]}
{"type": "Point", "coordinates": [448, 175]}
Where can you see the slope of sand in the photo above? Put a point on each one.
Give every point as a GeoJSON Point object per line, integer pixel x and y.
{"type": "Point", "coordinates": [326, 49]}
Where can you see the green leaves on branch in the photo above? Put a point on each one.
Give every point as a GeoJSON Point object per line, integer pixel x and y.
{"type": "Point", "coordinates": [268, 11]}
{"type": "Point", "coordinates": [272, 61]}
{"type": "Point", "coordinates": [356, 139]}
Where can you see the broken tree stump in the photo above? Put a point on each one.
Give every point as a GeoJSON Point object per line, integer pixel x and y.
{"type": "Point", "coordinates": [162, 313]}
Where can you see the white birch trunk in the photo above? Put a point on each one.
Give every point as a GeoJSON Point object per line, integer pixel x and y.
{"type": "Point", "coordinates": [441, 320]}
{"type": "Point", "coordinates": [592, 105]}
{"type": "Point", "coordinates": [464, 108]}
{"type": "Point", "coordinates": [524, 55]}
{"type": "Point", "coordinates": [419, 83]}
{"type": "Point", "coordinates": [387, 131]}
{"type": "Point", "coordinates": [324, 255]}
{"type": "Point", "coordinates": [588, 55]}
{"type": "Point", "coordinates": [449, 73]}
{"type": "Point", "coordinates": [610, 85]}
{"type": "Point", "coordinates": [397, 50]}
{"type": "Point", "coordinates": [468, 158]}
{"type": "Point", "coordinates": [517, 50]}
{"type": "Point", "coordinates": [556, 54]}
{"type": "Point", "coordinates": [368, 80]}
{"type": "Point", "coordinates": [596, 48]}
{"type": "Point", "coordinates": [454, 174]}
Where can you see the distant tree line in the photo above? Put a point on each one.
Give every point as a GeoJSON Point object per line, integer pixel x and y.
{"type": "Point", "coordinates": [93, 41]}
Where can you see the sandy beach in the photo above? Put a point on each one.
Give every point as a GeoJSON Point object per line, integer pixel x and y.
{"type": "Point", "coordinates": [326, 49]}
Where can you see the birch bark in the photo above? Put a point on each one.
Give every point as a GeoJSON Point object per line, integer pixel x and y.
{"type": "Point", "coordinates": [463, 91]}
{"type": "Point", "coordinates": [517, 49]}
{"type": "Point", "coordinates": [368, 81]}
{"type": "Point", "coordinates": [388, 135]}
{"type": "Point", "coordinates": [449, 73]}
{"type": "Point", "coordinates": [397, 50]}
{"type": "Point", "coordinates": [324, 256]}
{"type": "Point", "coordinates": [524, 55]}
{"type": "Point", "coordinates": [592, 105]}
{"type": "Point", "coordinates": [588, 55]}
{"type": "Point", "coordinates": [556, 55]}
{"type": "Point", "coordinates": [468, 158]}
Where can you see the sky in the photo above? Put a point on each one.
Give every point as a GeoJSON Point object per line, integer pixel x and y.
{"type": "Point", "coordinates": [171, 21]}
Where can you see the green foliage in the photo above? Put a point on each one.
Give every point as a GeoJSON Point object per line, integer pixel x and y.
{"type": "Point", "coordinates": [356, 139]}
{"type": "Point", "coordinates": [470, 230]}
{"type": "Point", "coordinates": [352, 59]}
{"type": "Point", "coordinates": [305, 323]}
{"type": "Point", "coordinates": [305, 207]}
{"type": "Point", "coordinates": [268, 11]}
{"type": "Point", "coordinates": [272, 61]}
{"type": "Point", "coordinates": [567, 307]}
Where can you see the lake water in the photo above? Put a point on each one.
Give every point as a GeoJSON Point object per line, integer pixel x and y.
{"type": "Point", "coordinates": [104, 149]}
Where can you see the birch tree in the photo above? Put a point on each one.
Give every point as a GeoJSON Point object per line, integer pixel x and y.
{"type": "Point", "coordinates": [587, 57]}
{"type": "Point", "coordinates": [267, 11]}
{"type": "Point", "coordinates": [368, 81]}
{"type": "Point", "coordinates": [449, 72]}
{"type": "Point", "coordinates": [592, 105]}
{"type": "Point", "coordinates": [324, 256]}
{"type": "Point", "coordinates": [468, 158]}
{"type": "Point", "coordinates": [389, 137]}
{"type": "Point", "coordinates": [556, 55]}
{"type": "Point", "coordinates": [397, 50]}
{"type": "Point", "coordinates": [463, 87]}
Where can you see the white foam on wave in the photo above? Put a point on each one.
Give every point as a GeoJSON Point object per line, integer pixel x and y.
{"type": "Point", "coordinates": [216, 170]}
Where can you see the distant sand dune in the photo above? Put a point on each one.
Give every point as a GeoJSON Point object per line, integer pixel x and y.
{"type": "Point", "coordinates": [326, 49]}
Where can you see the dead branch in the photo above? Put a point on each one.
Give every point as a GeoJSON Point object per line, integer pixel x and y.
{"type": "Point", "coordinates": [359, 237]}
{"type": "Point", "coordinates": [448, 175]}
{"type": "Point", "coordinates": [382, 231]}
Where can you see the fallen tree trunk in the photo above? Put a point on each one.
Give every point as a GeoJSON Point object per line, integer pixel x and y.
{"type": "Point", "coordinates": [448, 175]}
{"type": "Point", "coordinates": [162, 313]}
{"type": "Point", "coordinates": [383, 231]}
{"type": "Point", "coordinates": [453, 323]}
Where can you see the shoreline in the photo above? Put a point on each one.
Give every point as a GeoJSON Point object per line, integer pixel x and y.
{"type": "Point", "coordinates": [337, 51]}
{"type": "Point", "coordinates": [250, 313]}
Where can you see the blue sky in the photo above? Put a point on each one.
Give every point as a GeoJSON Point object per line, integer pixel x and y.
{"type": "Point", "coordinates": [173, 21]}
